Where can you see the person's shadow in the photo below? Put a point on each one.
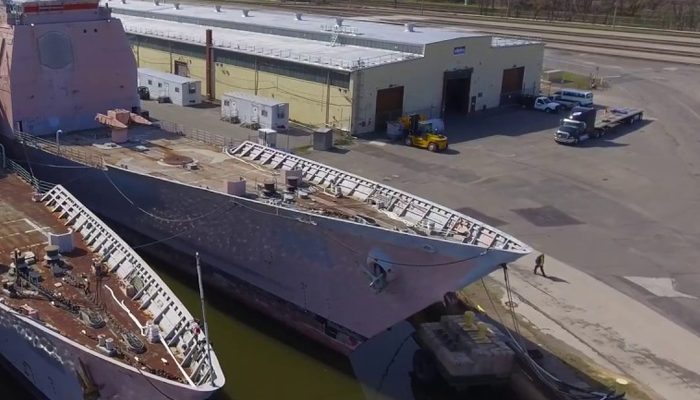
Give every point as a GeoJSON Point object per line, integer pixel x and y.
{"type": "Point", "coordinates": [556, 279]}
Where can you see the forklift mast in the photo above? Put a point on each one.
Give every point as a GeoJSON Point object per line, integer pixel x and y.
{"type": "Point", "coordinates": [413, 124]}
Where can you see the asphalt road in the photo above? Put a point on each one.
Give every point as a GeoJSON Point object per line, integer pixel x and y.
{"type": "Point", "coordinates": [625, 209]}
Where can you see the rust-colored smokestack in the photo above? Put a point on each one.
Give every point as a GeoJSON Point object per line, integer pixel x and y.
{"type": "Point", "coordinates": [209, 69]}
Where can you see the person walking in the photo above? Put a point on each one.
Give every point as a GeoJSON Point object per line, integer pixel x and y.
{"type": "Point", "coordinates": [539, 264]}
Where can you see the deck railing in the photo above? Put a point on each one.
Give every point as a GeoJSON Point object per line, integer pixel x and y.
{"type": "Point", "coordinates": [39, 185]}
{"type": "Point", "coordinates": [70, 152]}
{"type": "Point", "coordinates": [219, 141]}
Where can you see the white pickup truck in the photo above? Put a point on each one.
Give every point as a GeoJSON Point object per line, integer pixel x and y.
{"type": "Point", "coordinates": [542, 103]}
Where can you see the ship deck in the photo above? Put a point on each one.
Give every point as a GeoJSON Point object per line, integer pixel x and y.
{"type": "Point", "coordinates": [23, 226]}
{"type": "Point", "coordinates": [158, 153]}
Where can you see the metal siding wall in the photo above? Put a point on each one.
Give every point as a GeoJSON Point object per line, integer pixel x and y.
{"type": "Point", "coordinates": [303, 87]}
{"type": "Point", "coordinates": [423, 78]}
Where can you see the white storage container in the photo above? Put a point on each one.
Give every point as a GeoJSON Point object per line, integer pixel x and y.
{"type": "Point", "coordinates": [180, 90]}
{"type": "Point", "coordinates": [267, 112]}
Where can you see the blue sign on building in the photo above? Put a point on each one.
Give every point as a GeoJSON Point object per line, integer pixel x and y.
{"type": "Point", "coordinates": [459, 51]}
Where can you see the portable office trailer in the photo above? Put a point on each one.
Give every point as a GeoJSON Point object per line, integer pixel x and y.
{"type": "Point", "coordinates": [181, 90]}
{"type": "Point", "coordinates": [267, 112]}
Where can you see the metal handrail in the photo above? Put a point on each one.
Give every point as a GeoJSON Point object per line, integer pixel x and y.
{"type": "Point", "coordinates": [73, 154]}
{"type": "Point", "coordinates": [39, 185]}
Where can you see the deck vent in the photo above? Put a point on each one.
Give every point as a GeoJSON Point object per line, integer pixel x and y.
{"type": "Point", "coordinates": [338, 21]}
{"type": "Point", "coordinates": [297, 16]}
{"type": "Point", "coordinates": [245, 13]}
{"type": "Point", "coordinates": [409, 28]}
{"type": "Point", "coordinates": [177, 6]}
{"type": "Point", "coordinates": [217, 8]}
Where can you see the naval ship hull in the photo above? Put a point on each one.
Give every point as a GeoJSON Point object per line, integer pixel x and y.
{"type": "Point", "coordinates": [308, 271]}
{"type": "Point", "coordinates": [57, 369]}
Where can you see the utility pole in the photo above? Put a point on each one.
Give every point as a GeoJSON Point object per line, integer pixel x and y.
{"type": "Point", "coordinates": [614, 15]}
{"type": "Point", "coordinates": [204, 317]}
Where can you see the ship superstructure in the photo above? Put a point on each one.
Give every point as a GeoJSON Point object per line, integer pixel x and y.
{"type": "Point", "coordinates": [61, 62]}
{"type": "Point", "coordinates": [82, 315]}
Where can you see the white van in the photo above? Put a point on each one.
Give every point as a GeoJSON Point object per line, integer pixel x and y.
{"type": "Point", "coordinates": [573, 97]}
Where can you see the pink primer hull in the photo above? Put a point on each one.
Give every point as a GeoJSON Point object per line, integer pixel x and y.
{"type": "Point", "coordinates": [68, 93]}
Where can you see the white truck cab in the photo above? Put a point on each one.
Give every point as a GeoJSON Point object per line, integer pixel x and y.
{"type": "Point", "coordinates": [545, 104]}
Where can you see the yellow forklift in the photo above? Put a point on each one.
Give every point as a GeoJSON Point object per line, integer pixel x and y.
{"type": "Point", "coordinates": [421, 134]}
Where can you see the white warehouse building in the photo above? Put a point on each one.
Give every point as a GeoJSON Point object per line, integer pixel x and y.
{"type": "Point", "coordinates": [340, 73]}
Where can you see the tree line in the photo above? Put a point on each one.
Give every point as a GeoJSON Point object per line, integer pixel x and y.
{"type": "Point", "coordinates": [665, 14]}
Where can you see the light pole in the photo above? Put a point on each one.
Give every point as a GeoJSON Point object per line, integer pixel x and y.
{"type": "Point", "coordinates": [58, 144]}
{"type": "Point", "coordinates": [614, 15]}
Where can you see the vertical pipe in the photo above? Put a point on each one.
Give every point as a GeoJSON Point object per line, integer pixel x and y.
{"type": "Point", "coordinates": [256, 76]}
{"type": "Point", "coordinates": [170, 54]}
{"type": "Point", "coordinates": [209, 66]}
{"type": "Point", "coordinates": [328, 96]}
{"type": "Point", "coordinates": [138, 50]}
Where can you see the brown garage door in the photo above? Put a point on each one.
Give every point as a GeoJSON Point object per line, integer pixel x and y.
{"type": "Point", "coordinates": [512, 84]}
{"type": "Point", "coordinates": [389, 107]}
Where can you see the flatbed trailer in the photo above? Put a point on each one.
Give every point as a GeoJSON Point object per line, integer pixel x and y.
{"type": "Point", "coordinates": [585, 122]}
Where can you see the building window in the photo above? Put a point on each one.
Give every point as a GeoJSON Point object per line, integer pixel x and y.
{"type": "Point", "coordinates": [177, 90]}
{"type": "Point", "coordinates": [160, 84]}
{"type": "Point", "coordinates": [227, 103]}
{"type": "Point", "coordinates": [280, 114]}
{"type": "Point", "coordinates": [150, 82]}
{"type": "Point", "coordinates": [264, 113]}
{"type": "Point", "coordinates": [193, 88]}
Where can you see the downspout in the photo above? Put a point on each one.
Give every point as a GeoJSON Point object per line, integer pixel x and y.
{"type": "Point", "coordinates": [328, 96]}
{"type": "Point", "coordinates": [209, 66]}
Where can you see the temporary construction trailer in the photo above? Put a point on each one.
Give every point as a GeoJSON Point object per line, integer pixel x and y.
{"type": "Point", "coordinates": [250, 109]}
{"type": "Point", "coordinates": [178, 89]}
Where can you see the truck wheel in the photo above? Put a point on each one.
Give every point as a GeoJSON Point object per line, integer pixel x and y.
{"type": "Point", "coordinates": [424, 368]}
{"type": "Point", "coordinates": [407, 141]}
{"type": "Point", "coordinates": [432, 147]}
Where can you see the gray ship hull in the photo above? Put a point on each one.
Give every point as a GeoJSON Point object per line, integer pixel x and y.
{"type": "Point", "coordinates": [315, 263]}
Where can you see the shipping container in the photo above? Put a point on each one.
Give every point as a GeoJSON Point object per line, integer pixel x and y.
{"type": "Point", "coordinates": [251, 109]}
{"type": "Point", "coordinates": [178, 89]}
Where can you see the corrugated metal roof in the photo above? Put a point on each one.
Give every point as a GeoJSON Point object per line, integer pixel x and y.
{"type": "Point", "coordinates": [310, 24]}
{"type": "Point", "coordinates": [498, 41]}
{"type": "Point", "coordinates": [313, 52]}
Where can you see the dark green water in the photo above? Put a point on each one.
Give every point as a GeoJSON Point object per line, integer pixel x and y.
{"type": "Point", "coordinates": [263, 359]}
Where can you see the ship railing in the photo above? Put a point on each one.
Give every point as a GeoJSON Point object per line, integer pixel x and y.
{"type": "Point", "coordinates": [69, 152]}
{"type": "Point", "coordinates": [421, 214]}
{"type": "Point", "coordinates": [155, 296]}
{"type": "Point", "coordinates": [39, 185]}
{"type": "Point", "coordinates": [219, 141]}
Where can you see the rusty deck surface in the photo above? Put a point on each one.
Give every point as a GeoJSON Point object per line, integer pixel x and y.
{"type": "Point", "coordinates": [158, 153]}
{"type": "Point", "coordinates": [23, 224]}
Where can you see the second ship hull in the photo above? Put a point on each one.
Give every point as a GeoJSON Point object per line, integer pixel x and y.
{"type": "Point", "coordinates": [58, 369]}
{"type": "Point", "coordinates": [319, 265]}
